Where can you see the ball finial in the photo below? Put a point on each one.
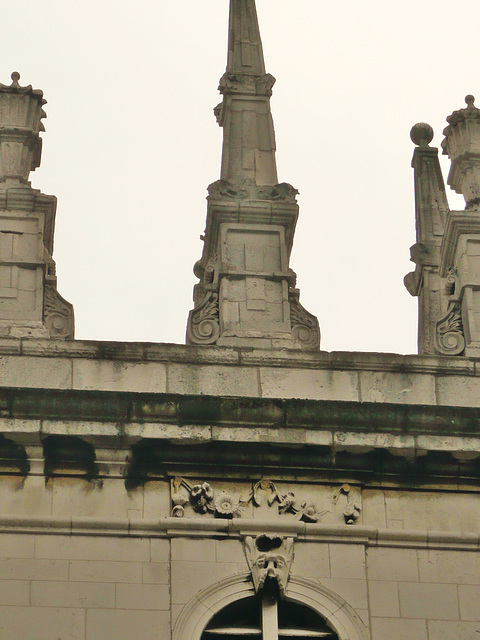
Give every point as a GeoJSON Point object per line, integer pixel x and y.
{"type": "Point", "coordinates": [15, 77]}
{"type": "Point", "coordinates": [470, 100]}
{"type": "Point", "coordinates": [421, 134]}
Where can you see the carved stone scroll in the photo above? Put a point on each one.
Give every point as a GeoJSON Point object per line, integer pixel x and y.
{"type": "Point", "coordinates": [305, 326]}
{"type": "Point", "coordinates": [203, 322]}
{"type": "Point", "coordinates": [57, 314]}
{"type": "Point", "coordinates": [449, 338]}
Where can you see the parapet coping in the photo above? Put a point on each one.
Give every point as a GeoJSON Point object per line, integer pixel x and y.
{"type": "Point", "coordinates": [233, 528]}
{"type": "Point", "coordinates": [238, 356]}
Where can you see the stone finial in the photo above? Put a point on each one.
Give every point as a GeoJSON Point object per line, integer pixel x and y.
{"type": "Point", "coordinates": [21, 114]}
{"type": "Point", "coordinates": [421, 134]}
{"type": "Point", "coordinates": [462, 145]}
{"type": "Point", "coordinates": [30, 305]}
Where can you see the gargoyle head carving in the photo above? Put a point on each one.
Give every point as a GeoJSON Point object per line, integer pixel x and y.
{"type": "Point", "coordinates": [270, 559]}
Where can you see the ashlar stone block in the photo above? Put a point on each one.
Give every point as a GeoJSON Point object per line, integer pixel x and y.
{"type": "Point", "coordinates": [14, 592]}
{"type": "Point", "coordinates": [100, 571]}
{"type": "Point", "coordinates": [308, 383]}
{"type": "Point", "coordinates": [469, 599]}
{"type": "Point", "coordinates": [400, 629]}
{"type": "Point", "coordinates": [432, 601]}
{"type": "Point", "coordinates": [311, 560]}
{"type": "Point", "coordinates": [127, 625]}
{"type": "Point", "coordinates": [442, 566]}
{"type": "Point", "coordinates": [107, 375]}
{"type": "Point", "coordinates": [143, 596]}
{"type": "Point", "coordinates": [88, 595]}
{"type": "Point", "coordinates": [444, 630]}
{"type": "Point", "coordinates": [92, 548]}
{"type": "Point", "coordinates": [392, 564]}
{"type": "Point", "coordinates": [42, 623]}
{"type": "Point", "coordinates": [384, 600]}
{"type": "Point", "coordinates": [347, 561]}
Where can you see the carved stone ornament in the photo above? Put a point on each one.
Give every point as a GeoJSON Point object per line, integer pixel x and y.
{"type": "Point", "coordinates": [449, 338]}
{"type": "Point", "coordinates": [57, 314]}
{"type": "Point", "coordinates": [202, 499]}
{"type": "Point", "coordinates": [20, 144]}
{"type": "Point", "coordinates": [239, 83]}
{"type": "Point", "coordinates": [462, 145]}
{"type": "Point", "coordinates": [203, 325]}
{"type": "Point", "coordinates": [269, 559]}
{"type": "Point", "coordinates": [282, 192]}
{"type": "Point", "coordinates": [305, 326]}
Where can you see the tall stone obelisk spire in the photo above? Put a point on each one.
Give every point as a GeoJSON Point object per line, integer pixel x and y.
{"type": "Point", "coordinates": [249, 138]}
{"type": "Point", "coordinates": [246, 295]}
{"type": "Point", "coordinates": [30, 305]}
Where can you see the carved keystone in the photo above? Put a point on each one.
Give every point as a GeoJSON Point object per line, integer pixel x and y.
{"type": "Point", "coordinates": [270, 560]}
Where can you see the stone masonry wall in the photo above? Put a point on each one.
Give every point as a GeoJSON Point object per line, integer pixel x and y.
{"type": "Point", "coordinates": [95, 588]}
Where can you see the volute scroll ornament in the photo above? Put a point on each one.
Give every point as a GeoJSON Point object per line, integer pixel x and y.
{"type": "Point", "coordinates": [449, 334]}
{"type": "Point", "coordinates": [449, 338]}
{"type": "Point", "coordinates": [305, 327]}
{"type": "Point", "coordinates": [203, 325]}
{"type": "Point", "coordinates": [57, 314]}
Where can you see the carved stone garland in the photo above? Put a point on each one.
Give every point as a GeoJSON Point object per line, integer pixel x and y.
{"type": "Point", "coordinates": [201, 497]}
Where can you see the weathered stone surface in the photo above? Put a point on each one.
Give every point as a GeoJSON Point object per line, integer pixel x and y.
{"type": "Point", "coordinates": [30, 305]}
{"type": "Point", "coordinates": [246, 295]}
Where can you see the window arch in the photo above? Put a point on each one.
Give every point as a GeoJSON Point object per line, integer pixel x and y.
{"type": "Point", "coordinates": [245, 620]}
{"type": "Point", "coordinates": [201, 611]}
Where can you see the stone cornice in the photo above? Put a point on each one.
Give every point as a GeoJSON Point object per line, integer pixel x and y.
{"type": "Point", "coordinates": [229, 356]}
{"type": "Point", "coordinates": [85, 432]}
{"type": "Point", "coordinates": [126, 408]}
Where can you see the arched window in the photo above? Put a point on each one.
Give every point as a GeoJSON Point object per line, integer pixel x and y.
{"type": "Point", "coordinates": [267, 618]}
{"type": "Point", "coordinates": [227, 609]}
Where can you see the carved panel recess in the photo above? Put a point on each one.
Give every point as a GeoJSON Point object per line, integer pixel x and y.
{"type": "Point", "coordinates": [189, 498]}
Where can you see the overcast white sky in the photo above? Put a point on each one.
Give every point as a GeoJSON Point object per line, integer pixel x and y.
{"type": "Point", "coordinates": [132, 143]}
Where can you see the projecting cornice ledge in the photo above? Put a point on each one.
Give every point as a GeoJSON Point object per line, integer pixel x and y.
{"type": "Point", "coordinates": [146, 436]}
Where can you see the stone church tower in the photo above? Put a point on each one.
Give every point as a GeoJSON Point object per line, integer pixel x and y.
{"type": "Point", "coordinates": [245, 485]}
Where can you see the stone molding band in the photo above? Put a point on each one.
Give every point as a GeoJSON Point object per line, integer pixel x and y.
{"type": "Point", "coordinates": [211, 527]}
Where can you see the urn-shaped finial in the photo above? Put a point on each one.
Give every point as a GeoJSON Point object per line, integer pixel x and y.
{"type": "Point", "coordinates": [20, 124]}
{"type": "Point", "coordinates": [462, 145]}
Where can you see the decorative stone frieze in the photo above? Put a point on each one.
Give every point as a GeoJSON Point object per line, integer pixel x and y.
{"type": "Point", "coordinates": [30, 305]}
{"type": "Point", "coordinates": [203, 499]}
